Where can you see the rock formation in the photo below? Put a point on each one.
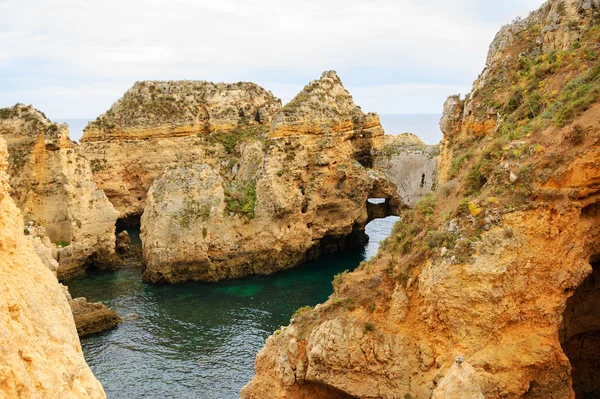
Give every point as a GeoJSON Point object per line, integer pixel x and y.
{"type": "Point", "coordinates": [498, 265]}
{"type": "Point", "coordinates": [41, 354]}
{"type": "Point", "coordinates": [52, 185]}
{"type": "Point", "coordinates": [232, 184]}
{"type": "Point", "coordinates": [91, 318]}
{"type": "Point", "coordinates": [408, 163]}
{"type": "Point", "coordinates": [276, 202]}
{"type": "Point", "coordinates": [156, 125]}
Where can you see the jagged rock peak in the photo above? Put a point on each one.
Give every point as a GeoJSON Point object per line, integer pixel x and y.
{"type": "Point", "coordinates": [185, 106]}
{"type": "Point", "coordinates": [323, 106]}
{"type": "Point", "coordinates": [327, 95]}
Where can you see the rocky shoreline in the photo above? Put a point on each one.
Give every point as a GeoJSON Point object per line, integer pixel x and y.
{"type": "Point", "coordinates": [487, 288]}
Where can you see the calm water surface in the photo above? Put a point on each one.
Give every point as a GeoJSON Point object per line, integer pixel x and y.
{"type": "Point", "coordinates": [199, 340]}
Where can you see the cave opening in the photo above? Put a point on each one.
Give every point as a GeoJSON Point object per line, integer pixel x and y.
{"type": "Point", "coordinates": [580, 335]}
{"type": "Point", "coordinates": [364, 157]}
{"type": "Point", "coordinates": [131, 224]}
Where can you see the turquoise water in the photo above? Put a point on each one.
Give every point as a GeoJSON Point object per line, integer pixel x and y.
{"type": "Point", "coordinates": [199, 340]}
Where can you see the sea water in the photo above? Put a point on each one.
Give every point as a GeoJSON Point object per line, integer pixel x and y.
{"type": "Point", "coordinates": [199, 340]}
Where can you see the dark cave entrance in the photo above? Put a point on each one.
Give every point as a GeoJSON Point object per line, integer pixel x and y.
{"type": "Point", "coordinates": [131, 224]}
{"type": "Point", "coordinates": [580, 335]}
{"type": "Point", "coordinates": [364, 157]}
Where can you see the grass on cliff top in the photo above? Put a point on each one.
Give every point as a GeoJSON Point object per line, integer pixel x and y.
{"type": "Point", "coordinates": [530, 93]}
{"type": "Point", "coordinates": [542, 90]}
{"type": "Point", "coordinates": [501, 170]}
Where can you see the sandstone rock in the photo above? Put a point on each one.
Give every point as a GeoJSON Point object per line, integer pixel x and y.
{"type": "Point", "coordinates": [123, 243]}
{"type": "Point", "coordinates": [408, 163]}
{"type": "Point", "coordinates": [293, 180]}
{"type": "Point", "coordinates": [43, 247]}
{"type": "Point", "coordinates": [280, 203]}
{"type": "Point", "coordinates": [513, 292]}
{"type": "Point", "coordinates": [92, 318]}
{"type": "Point", "coordinates": [41, 354]}
{"type": "Point", "coordinates": [89, 317]}
{"type": "Point", "coordinates": [157, 125]}
{"type": "Point", "coordinates": [52, 184]}
{"type": "Point", "coordinates": [323, 107]}
{"type": "Point", "coordinates": [460, 383]}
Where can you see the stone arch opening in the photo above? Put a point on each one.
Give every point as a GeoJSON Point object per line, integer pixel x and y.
{"type": "Point", "coordinates": [379, 208]}
{"type": "Point", "coordinates": [580, 334]}
{"type": "Point", "coordinates": [132, 225]}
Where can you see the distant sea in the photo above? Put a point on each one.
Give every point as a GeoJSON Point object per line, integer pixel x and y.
{"type": "Point", "coordinates": [426, 126]}
{"type": "Point", "coordinates": [76, 127]}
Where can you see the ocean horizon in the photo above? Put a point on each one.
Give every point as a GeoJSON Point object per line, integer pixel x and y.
{"type": "Point", "coordinates": [426, 126]}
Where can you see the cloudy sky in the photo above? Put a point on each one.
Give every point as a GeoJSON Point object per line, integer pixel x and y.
{"type": "Point", "coordinates": [73, 58]}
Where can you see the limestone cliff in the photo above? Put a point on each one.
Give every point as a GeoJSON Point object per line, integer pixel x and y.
{"type": "Point", "coordinates": [499, 267]}
{"type": "Point", "coordinates": [52, 185]}
{"type": "Point", "coordinates": [156, 125]}
{"type": "Point", "coordinates": [408, 163]}
{"type": "Point", "coordinates": [41, 355]}
{"type": "Point", "coordinates": [277, 202]}
{"type": "Point", "coordinates": [324, 106]}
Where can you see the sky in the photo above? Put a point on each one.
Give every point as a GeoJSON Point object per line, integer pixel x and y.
{"type": "Point", "coordinates": [74, 58]}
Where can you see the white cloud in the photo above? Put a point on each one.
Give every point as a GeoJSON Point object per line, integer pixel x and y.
{"type": "Point", "coordinates": [75, 43]}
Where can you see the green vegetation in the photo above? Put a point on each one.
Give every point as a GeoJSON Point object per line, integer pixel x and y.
{"type": "Point", "coordinates": [426, 206]}
{"type": "Point", "coordinates": [458, 162]}
{"type": "Point", "coordinates": [61, 244]}
{"type": "Point", "coordinates": [7, 113]}
{"type": "Point", "coordinates": [338, 279]}
{"type": "Point", "coordinates": [52, 128]}
{"type": "Point", "coordinates": [369, 326]}
{"type": "Point", "coordinates": [241, 199]}
{"type": "Point", "coordinates": [231, 139]}
{"type": "Point", "coordinates": [302, 312]}
{"type": "Point", "coordinates": [192, 211]}
{"type": "Point", "coordinates": [438, 239]}
{"type": "Point", "coordinates": [538, 96]}
{"type": "Point", "coordinates": [476, 178]}
{"type": "Point", "coordinates": [576, 98]}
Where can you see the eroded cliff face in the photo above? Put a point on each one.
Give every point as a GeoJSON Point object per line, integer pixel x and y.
{"type": "Point", "coordinates": [52, 185]}
{"type": "Point", "coordinates": [157, 125]}
{"type": "Point", "coordinates": [41, 354]}
{"type": "Point", "coordinates": [276, 201]}
{"type": "Point", "coordinates": [495, 268]}
{"type": "Point", "coordinates": [408, 163]}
